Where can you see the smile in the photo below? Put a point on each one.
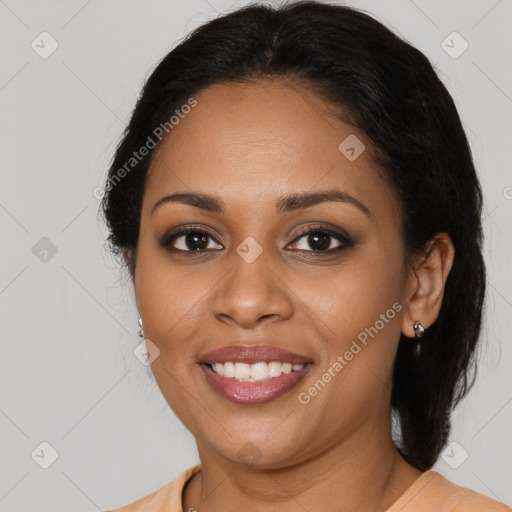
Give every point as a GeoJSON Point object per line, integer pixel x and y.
{"type": "Point", "coordinates": [253, 375]}
{"type": "Point", "coordinates": [254, 372]}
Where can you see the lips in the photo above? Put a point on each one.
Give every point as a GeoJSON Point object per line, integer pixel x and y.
{"type": "Point", "coordinates": [253, 393]}
{"type": "Point", "coordinates": [253, 354]}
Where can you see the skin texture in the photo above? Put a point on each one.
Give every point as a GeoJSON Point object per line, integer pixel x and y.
{"type": "Point", "coordinates": [250, 144]}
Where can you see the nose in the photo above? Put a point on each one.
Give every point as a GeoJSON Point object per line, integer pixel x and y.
{"type": "Point", "coordinates": [252, 294]}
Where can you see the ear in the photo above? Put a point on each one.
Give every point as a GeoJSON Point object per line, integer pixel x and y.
{"type": "Point", "coordinates": [426, 283]}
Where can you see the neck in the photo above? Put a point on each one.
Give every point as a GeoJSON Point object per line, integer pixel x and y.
{"type": "Point", "coordinates": [364, 472]}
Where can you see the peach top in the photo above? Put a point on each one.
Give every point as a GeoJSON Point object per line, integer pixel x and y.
{"type": "Point", "coordinates": [431, 492]}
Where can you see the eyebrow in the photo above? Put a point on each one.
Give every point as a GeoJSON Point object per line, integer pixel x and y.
{"type": "Point", "coordinates": [284, 204]}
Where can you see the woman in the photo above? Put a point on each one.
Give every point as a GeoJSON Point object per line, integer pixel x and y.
{"type": "Point", "coordinates": [296, 202]}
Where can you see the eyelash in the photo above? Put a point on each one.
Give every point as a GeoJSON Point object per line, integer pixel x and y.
{"type": "Point", "coordinates": [166, 240]}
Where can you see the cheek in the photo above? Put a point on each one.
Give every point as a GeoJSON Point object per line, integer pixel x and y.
{"type": "Point", "coordinates": [172, 301]}
{"type": "Point", "coordinates": [360, 321]}
{"type": "Point", "coordinates": [352, 296]}
{"type": "Point", "coordinates": [357, 309]}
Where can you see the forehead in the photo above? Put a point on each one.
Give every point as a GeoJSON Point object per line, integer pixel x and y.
{"type": "Point", "coordinates": [249, 141]}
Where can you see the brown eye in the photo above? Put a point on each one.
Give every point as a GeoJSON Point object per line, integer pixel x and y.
{"type": "Point", "coordinates": [188, 240]}
{"type": "Point", "coordinates": [320, 239]}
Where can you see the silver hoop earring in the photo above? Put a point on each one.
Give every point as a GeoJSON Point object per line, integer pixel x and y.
{"type": "Point", "coordinates": [141, 330]}
{"type": "Point", "coordinates": [419, 330]}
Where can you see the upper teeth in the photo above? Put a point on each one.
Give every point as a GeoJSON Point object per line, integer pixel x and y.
{"type": "Point", "coordinates": [254, 372]}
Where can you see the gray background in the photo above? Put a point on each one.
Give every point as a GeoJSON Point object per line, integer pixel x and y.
{"type": "Point", "coordinates": [69, 323]}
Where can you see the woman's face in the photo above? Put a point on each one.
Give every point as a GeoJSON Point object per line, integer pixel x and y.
{"type": "Point", "coordinates": [332, 300]}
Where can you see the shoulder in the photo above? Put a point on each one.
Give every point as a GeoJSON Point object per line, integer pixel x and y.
{"type": "Point", "coordinates": [463, 499]}
{"type": "Point", "coordinates": [166, 498]}
{"type": "Point", "coordinates": [469, 501]}
{"type": "Point", "coordinates": [433, 492]}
